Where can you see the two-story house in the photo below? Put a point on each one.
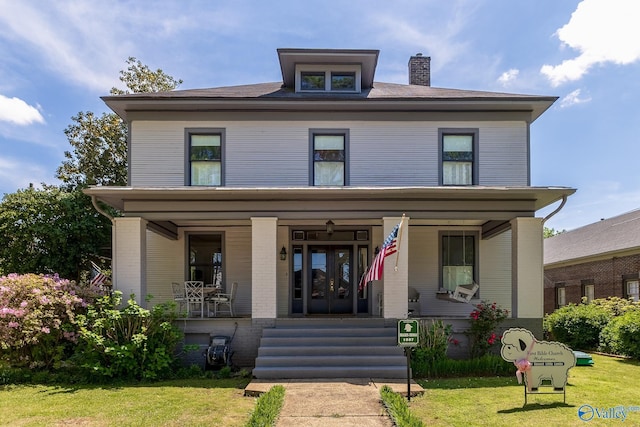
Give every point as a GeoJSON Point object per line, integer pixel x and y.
{"type": "Point", "coordinates": [289, 188]}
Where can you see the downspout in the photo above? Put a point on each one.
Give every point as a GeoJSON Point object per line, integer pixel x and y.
{"type": "Point", "coordinates": [94, 202]}
{"type": "Point", "coordinates": [564, 201]}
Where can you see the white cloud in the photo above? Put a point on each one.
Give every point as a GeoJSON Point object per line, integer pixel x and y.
{"type": "Point", "coordinates": [15, 110]}
{"type": "Point", "coordinates": [602, 31]}
{"type": "Point", "coordinates": [15, 175]}
{"type": "Point", "coordinates": [508, 76]}
{"type": "Point", "coordinates": [573, 99]}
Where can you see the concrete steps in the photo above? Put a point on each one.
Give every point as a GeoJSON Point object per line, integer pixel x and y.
{"type": "Point", "coordinates": [330, 349]}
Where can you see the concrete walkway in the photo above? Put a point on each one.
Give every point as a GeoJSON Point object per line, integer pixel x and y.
{"type": "Point", "coordinates": [329, 402]}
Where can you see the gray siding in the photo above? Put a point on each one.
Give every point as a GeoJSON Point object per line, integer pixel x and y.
{"type": "Point", "coordinates": [494, 272]}
{"type": "Point", "coordinates": [274, 153]}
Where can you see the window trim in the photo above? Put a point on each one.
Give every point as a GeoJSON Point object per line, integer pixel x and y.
{"type": "Point", "coordinates": [476, 253]}
{"type": "Point", "coordinates": [331, 132]}
{"type": "Point", "coordinates": [475, 133]}
{"type": "Point", "coordinates": [187, 152]}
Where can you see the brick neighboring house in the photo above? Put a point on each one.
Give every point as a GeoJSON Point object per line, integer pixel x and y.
{"type": "Point", "coordinates": [598, 260]}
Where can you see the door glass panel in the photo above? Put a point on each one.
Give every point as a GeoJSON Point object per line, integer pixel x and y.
{"type": "Point", "coordinates": [318, 273]}
{"type": "Point", "coordinates": [343, 274]}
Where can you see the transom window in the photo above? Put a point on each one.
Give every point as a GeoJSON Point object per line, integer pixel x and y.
{"type": "Point", "coordinates": [458, 157]}
{"type": "Point", "coordinates": [329, 156]}
{"type": "Point", "coordinates": [458, 260]}
{"type": "Point", "coordinates": [205, 158]}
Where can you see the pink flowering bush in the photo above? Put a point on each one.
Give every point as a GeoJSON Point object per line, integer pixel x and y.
{"type": "Point", "coordinates": [484, 321]}
{"type": "Point", "coordinates": [37, 319]}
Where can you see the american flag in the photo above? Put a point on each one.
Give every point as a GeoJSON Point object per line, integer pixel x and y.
{"type": "Point", "coordinates": [389, 247]}
{"type": "Point", "coordinates": [98, 277]}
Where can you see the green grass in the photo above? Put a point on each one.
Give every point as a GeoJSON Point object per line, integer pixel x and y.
{"type": "Point", "coordinates": [499, 401]}
{"type": "Point", "coordinates": [268, 408]}
{"type": "Point", "coordinates": [196, 402]}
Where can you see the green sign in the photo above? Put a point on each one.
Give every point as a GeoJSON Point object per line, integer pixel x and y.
{"type": "Point", "coordinates": [408, 333]}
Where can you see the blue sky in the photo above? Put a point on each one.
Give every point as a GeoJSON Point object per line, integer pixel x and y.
{"type": "Point", "coordinates": [59, 57]}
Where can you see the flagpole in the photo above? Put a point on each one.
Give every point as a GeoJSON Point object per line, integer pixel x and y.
{"type": "Point", "coordinates": [399, 242]}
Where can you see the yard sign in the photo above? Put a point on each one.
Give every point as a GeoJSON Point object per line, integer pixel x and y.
{"type": "Point", "coordinates": [408, 333]}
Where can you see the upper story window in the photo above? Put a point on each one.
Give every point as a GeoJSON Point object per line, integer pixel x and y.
{"type": "Point", "coordinates": [205, 157]}
{"type": "Point", "coordinates": [329, 157]}
{"type": "Point", "coordinates": [328, 78]}
{"type": "Point", "coordinates": [459, 156]}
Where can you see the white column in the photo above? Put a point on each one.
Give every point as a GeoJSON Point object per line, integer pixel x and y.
{"type": "Point", "coordinates": [264, 259]}
{"type": "Point", "coordinates": [130, 258]}
{"type": "Point", "coordinates": [527, 268]}
{"type": "Point", "coordinates": [396, 282]}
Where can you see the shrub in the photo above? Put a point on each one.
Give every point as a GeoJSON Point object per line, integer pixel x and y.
{"type": "Point", "coordinates": [131, 342]}
{"type": "Point", "coordinates": [487, 365]}
{"type": "Point", "coordinates": [578, 326]}
{"type": "Point", "coordinates": [484, 321]}
{"type": "Point", "coordinates": [433, 343]}
{"type": "Point", "coordinates": [622, 335]}
{"type": "Point", "coordinates": [37, 319]}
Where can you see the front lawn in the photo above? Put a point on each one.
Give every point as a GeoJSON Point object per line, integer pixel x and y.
{"type": "Point", "coordinates": [496, 401]}
{"type": "Point", "coordinates": [196, 402]}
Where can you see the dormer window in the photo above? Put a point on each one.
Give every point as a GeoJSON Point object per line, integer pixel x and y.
{"type": "Point", "coordinates": [328, 78]}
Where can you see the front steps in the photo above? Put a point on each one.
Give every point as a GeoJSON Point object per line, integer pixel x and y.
{"type": "Point", "coordinates": [330, 348]}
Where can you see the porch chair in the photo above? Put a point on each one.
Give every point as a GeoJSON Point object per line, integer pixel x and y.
{"type": "Point", "coordinates": [179, 296]}
{"type": "Point", "coordinates": [414, 301]}
{"type": "Point", "coordinates": [464, 293]}
{"type": "Point", "coordinates": [224, 300]}
{"type": "Point", "coordinates": [194, 293]}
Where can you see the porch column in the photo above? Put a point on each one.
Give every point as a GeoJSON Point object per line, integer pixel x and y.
{"type": "Point", "coordinates": [527, 268]}
{"type": "Point", "coordinates": [396, 283]}
{"type": "Point", "coordinates": [264, 259]}
{"type": "Point", "coordinates": [129, 266]}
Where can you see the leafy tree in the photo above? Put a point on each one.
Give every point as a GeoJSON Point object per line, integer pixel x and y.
{"type": "Point", "coordinates": [99, 155]}
{"type": "Point", "coordinates": [50, 231]}
{"type": "Point", "coordinates": [139, 78]}
{"type": "Point", "coordinates": [550, 232]}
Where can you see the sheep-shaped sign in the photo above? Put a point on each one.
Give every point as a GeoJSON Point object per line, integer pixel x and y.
{"type": "Point", "coordinates": [539, 361]}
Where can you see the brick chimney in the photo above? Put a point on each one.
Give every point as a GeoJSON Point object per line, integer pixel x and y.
{"type": "Point", "coordinates": [420, 70]}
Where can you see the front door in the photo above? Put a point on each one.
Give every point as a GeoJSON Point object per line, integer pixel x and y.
{"type": "Point", "coordinates": [331, 281]}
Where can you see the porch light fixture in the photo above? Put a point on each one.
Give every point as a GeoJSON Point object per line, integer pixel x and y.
{"type": "Point", "coordinates": [283, 253]}
{"type": "Point", "coordinates": [330, 225]}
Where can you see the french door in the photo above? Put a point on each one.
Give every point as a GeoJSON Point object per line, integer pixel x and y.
{"type": "Point", "coordinates": [331, 281]}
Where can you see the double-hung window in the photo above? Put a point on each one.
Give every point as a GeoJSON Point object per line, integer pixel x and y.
{"type": "Point", "coordinates": [588, 290]}
{"type": "Point", "coordinates": [458, 156]}
{"type": "Point", "coordinates": [633, 289]}
{"type": "Point", "coordinates": [561, 295]}
{"type": "Point", "coordinates": [205, 157]}
{"type": "Point", "coordinates": [329, 150]}
{"type": "Point", "coordinates": [458, 259]}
